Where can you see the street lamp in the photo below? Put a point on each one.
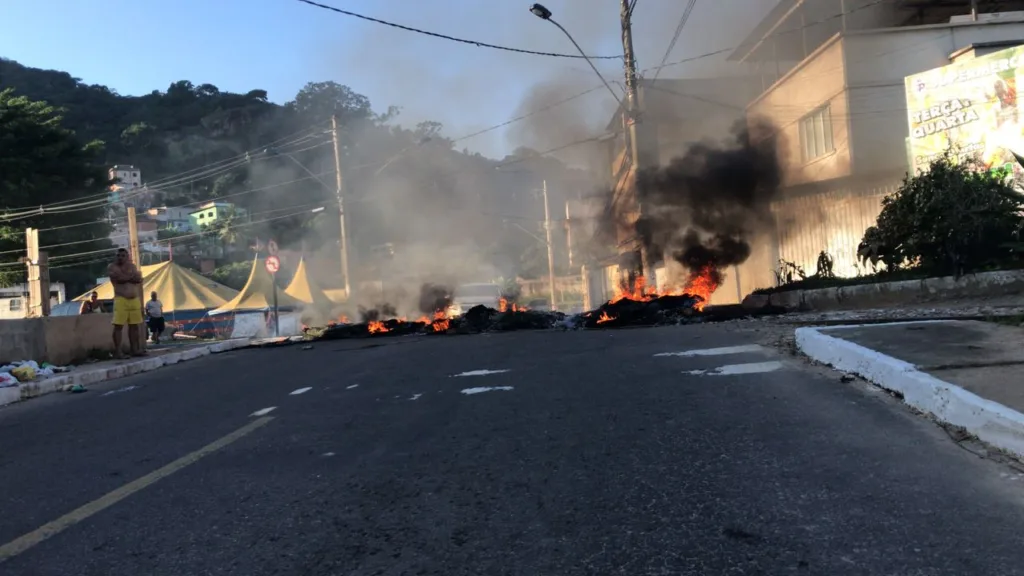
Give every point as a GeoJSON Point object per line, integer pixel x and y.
{"type": "Point", "coordinates": [540, 11]}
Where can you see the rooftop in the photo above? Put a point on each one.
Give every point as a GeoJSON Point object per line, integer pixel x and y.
{"type": "Point", "coordinates": [795, 28]}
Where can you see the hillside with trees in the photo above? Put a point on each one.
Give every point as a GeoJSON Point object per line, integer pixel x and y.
{"type": "Point", "coordinates": [194, 143]}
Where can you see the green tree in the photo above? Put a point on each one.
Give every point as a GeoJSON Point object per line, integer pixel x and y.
{"type": "Point", "coordinates": [233, 275]}
{"type": "Point", "coordinates": [317, 101]}
{"type": "Point", "coordinates": [48, 181]}
{"type": "Point", "coordinates": [950, 219]}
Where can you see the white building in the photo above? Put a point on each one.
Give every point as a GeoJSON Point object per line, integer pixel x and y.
{"type": "Point", "coordinates": [125, 176]}
{"type": "Point", "coordinates": [172, 217]}
{"type": "Point", "coordinates": [14, 300]}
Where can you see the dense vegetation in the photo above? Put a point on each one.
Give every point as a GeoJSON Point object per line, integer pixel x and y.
{"type": "Point", "coordinates": [191, 143]}
{"type": "Point", "coordinates": [950, 220]}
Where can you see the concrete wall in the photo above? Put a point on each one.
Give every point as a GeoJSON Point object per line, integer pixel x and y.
{"type": "Point", "coordinates": [888, 294]}
{"type": "Point", "coordinates": [876, 64]}
{"type": "Point", "coordinates": [57, 339]}
{"type": "Point", "coordinates": [815, 82]}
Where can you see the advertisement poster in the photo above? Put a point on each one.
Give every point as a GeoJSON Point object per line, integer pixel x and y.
{"type": "Point", "coordinates": [970, 106]}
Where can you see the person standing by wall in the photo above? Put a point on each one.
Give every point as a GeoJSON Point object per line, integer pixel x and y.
{"type": "Point", "coordinates": [155, 317]}
{"type": "Point", "coordinates": [126, 278]}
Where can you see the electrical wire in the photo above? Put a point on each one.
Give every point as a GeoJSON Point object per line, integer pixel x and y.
{"type": "Point", "coordinates": [528, 114]}
{"type": "Point", "coordinates": [675, 36]}
{"type": "Point", "coordinates": [176, 239]}
{"type": "Point", "coordinates": [454, 39]}
{"type": "Point", "coordinates": [793, 30]}
{"type": "Point", "coordinates": [192, 175]}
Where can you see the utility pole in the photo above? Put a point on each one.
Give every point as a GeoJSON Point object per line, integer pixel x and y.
{"type": "Point", "coordinates": [568, 232]}
{"type": "Point", "coordinates": [632, 119]}
{"type": "Point", "coordinates": [551, 252]}
{"type": "Point", "coordinates": [136, 255]}
{"type": "Point", "coordinates": [339, 191]}
{"type": "Point", "coordinates": [38, 276]}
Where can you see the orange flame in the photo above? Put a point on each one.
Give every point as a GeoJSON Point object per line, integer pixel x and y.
{"type": "Point", "coordinates": [506, 306]}
{"type": "Point", "coordinates": [423, 320]}
{"type": "Point", "coordinates": [703, 284]}
{"type": "Point", "coordinates": [605, 317]}
{"type": "Point", "coordinates": [342, 319]}
{"type": "Point", "coordinates": [441, 322]}
{"type": "Point", "coordinates": [376, 326]}
{"type": "Point", "coordinates": [637, 292]}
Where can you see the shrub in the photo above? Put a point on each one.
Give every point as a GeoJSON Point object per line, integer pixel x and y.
{"type": "Point", "coordinates": [951, 219]}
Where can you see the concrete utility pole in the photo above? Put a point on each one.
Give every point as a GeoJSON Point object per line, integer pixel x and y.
{"type": "Point", "coordinates": [339, 191]}
{"type": "Point", "coordinates": [551, 250]}
{"type": "Point", "coordinates": [136, 255]}
{"type": "Point", "coordinates": [38, 276]}
{"type": "Point", "coordinates": [568, 232]}
{"type": "Point", "coordinates": [632, 119]}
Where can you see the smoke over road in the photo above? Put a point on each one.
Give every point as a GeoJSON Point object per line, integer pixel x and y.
{"type": "Point", "coordinates": [704, 207]}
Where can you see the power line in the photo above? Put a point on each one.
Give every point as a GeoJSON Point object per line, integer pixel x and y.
{"type": "Point", "coordinates": [192, 175]}
{"type": "Point", "coordinates": [790, 31]}
{"type": "Point", "coordinates": [528, 114]}
{"type": "Point", "coordinates": [454, 39]}
{"type": "Point", "coordinates": [193, 235]}
{"type": "Point", "coordinates": [675, 37]}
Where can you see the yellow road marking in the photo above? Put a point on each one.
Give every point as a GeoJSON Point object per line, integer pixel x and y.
{"type": "Point", "coordinates": [23, 543]}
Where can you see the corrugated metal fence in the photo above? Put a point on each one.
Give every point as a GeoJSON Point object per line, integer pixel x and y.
{"type": "Point", "coordinates": [833, 221]}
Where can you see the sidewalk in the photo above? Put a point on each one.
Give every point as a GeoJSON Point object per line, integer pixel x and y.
{"type": "Point", "coordinates": [966, 373]}
{"type": "Point", "coordinates": [93, 373]}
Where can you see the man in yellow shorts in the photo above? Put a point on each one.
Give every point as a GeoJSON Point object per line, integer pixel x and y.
{"type": "Point", "coordinates": [127, 281]}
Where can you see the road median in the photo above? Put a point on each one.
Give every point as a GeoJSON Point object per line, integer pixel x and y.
{"type": "Point", "coordinates": [963, 373]}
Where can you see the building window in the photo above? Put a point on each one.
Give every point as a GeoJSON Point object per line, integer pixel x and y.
{"type": "Point", "coordinates": [15, 305]}
{"type": "Point", "coordinates": [816, 133]}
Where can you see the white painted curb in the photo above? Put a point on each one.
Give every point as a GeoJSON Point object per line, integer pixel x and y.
{"type": "Point", "coordinates": [990, 421]}
{"type": "Point", "coordinates": [63, 382]}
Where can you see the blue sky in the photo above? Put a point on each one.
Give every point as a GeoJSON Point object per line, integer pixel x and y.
{"type": "Point", "coordinates": [279, 45]}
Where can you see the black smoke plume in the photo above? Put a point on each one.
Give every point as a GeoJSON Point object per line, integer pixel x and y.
{"type": "Point", "coordinates": [434, 298]}
{"type": "Point", "coordinates": [378, 312]}
{"type": "Point", "coordinates": [703, 208]}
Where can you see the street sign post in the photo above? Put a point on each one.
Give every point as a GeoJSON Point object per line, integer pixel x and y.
{"type": "Point", "coordinates": [272, 248]}
{"type": "Point", "coordinates": [273, 264]}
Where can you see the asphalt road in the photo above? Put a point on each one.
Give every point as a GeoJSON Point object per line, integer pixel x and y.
{"type": "Point", "coordinates": [601, 459]}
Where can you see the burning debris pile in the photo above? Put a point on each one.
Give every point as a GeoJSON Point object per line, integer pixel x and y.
{"type": "Point", "coordinates": [626, 309]}
{"type": "Point", "coordinates": [476, 320]}
{"type": "Point", "coordinates": [700, 215]}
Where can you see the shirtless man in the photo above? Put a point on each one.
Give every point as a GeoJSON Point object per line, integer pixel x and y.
{"type": "Point", "coordinates": [127, 280]}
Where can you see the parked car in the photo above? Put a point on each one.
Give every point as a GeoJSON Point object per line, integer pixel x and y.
{"type": "Point", "coordinates": [467, 296]}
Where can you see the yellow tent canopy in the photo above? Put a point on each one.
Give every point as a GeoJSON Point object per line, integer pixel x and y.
{"type": "Point", "coordinates": [178, 288]}
{"type": "Point", "coordinates": [305, 290]}
{"type": "Point", "coordinates": [258, 293]}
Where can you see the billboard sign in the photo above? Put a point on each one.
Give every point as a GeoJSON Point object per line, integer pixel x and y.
{"type": "Point", "coordinates": [970, 106]}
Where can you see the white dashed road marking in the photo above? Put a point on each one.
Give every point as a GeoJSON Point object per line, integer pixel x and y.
{"type": "Point", "coordinates": [120, 390]}
{"type": "Point", "coordinates": [485, 389]}
{"type": "Point", "coordinates": [415, 396]}
{"type": "Point", "coordinates": [716, 351]}
{"type": "Point", "coordinates": [300, 391]}
{"type": "Point", "coordinates": [734, 369]}
{"type": "Point", "coordinates": [264, 411]}
{"type": "Point", "coordinates": [352, 386]}
{"type": "Point", "coordinates": [479, 373]}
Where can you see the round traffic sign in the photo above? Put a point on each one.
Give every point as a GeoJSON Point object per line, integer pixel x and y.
{"type": "Point", "coordinates": [272, 248]}
{"type": "Point", "coordinates": [273, 264]}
